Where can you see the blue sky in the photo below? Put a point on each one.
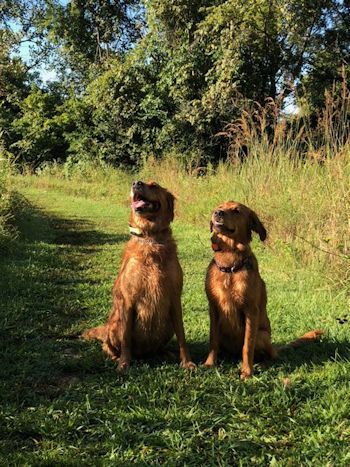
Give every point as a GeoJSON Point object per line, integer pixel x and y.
{"type": "Point", "coordinates": [46, 74]}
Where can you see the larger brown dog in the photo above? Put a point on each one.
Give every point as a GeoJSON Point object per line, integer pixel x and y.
{"type": "Point", "coordinates": [237, 293]}
{"type": "Point", "coordinates": [147, 292]}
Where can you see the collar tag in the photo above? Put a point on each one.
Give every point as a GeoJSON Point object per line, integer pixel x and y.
{"type": "Point", "coordinates": [135, 230]}
{"type": "Point", "coordinates": [246, 264]}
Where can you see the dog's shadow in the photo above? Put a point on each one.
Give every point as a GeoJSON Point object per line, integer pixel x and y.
{"type": "Point", "coordinates": [288, 360]}
{"type": "Point", "coordinates": [317, 353]}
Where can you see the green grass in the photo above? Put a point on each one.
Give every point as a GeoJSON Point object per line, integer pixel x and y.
{"type": "Point", "coordinates": [62, 401]}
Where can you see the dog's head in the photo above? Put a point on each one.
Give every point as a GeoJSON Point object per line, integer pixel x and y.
{"type": "Point", "coordinates": [236, 221]}
{"type": "Point", "coordinates": [152, 206]}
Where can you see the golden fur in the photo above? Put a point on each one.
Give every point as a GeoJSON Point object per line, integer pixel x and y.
{"type": "Point", "coordinates": [237, 300]}
{"type": "Point", "coordinates": [146, 308]}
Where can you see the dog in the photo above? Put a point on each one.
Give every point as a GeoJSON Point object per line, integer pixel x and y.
{"type": "Point", "coordinates": [146, 308]}
{"type": "Point", "coordinates": [236, 292]}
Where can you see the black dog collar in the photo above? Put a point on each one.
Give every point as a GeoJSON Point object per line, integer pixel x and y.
{"type": "Point", "coordinates": [246, 264]}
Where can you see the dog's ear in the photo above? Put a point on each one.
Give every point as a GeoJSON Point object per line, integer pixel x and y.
{"type": "Point", "coordinates": [170, 202]}
{"type": "Point", "coordinates": [211, 226]}
{"type": "Point", "coordinates": [256, 225]}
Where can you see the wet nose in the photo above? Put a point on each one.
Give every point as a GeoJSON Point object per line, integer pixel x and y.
{"type": "Point", "coordinates": [219, 213]}
{"type": "Point", "coordinates": [137, 184]}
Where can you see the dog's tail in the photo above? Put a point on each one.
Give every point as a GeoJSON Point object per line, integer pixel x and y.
{"type": "Point", "coordinates": [96, 333]}
{"type": "Point", "coordinates": [305, 339]}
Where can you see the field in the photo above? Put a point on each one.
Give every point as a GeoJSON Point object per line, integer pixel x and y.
{"type": "Point", "coordinates": [62, 401]}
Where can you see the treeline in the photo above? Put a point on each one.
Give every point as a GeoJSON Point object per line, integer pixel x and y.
{"type": "Point", "coordinates": [136, 78]}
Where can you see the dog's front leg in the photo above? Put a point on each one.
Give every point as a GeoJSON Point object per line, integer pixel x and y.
{"type": "Point", "coordinates": [214, 337]}
{"type": "Point", "coordinates": [122, 331]}
{"type": "Point", "coordinates": [251, 330]}
{"type": "Point", "coordinates": [176, 316]}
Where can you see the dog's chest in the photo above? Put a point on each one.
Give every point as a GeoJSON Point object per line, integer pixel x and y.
{"type": "Point", "coordinates": [229, 292]}
{"type": "Point", "coordinates": [154, 295]}
{"type": "Point", "coordinates": [152, 284]}
{"type": "Point", "coordinates": [230, 298]}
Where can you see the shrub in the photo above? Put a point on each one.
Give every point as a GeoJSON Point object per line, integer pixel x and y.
{"type": "Point", "coordinates": [12, 205]}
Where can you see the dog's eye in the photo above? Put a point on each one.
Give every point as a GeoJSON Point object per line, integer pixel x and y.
{"type": "Point", "coordinates": [235, 211]}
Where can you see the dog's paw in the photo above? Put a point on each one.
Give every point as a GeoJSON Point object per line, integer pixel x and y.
{"type": "Point", "coordinates": [123, 366]}
{"type": "Point", "coordinates": [245, 375]}
{"type": "Point", "coordinates": [209, 364]}
{"type": "Point", "coordinates": [87, 335]}
{"type": "Point", "coordinates": [188, 365]}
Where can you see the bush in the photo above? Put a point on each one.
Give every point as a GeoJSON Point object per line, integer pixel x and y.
{"type": "Point", "coordinates": [41, 126]}
{"type": "Point", "coordinates": [12, 206]}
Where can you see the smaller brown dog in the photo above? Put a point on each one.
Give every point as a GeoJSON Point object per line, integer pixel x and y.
{"type": "Point", "coordinates": [146, 308]}
{"type": "Point", "coordinates": [237, 293]}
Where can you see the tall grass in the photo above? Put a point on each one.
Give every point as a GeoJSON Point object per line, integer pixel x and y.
{"type": "Point", "coordinates": [294, 172]}
{"type": "Point", "coordinates": [6, 233]}
{"type": "Point", "coordinates": [268, 131]}
{"type": "Point", "coordinates": [295, 175]}
{"type": "Point", "coordinates": [12, 204]}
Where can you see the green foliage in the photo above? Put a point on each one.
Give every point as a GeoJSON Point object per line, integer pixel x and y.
{"type": "Point", "coordinates": [330, 64]}
{"type": "Point", "coordinates": [87, 33]}
{"type": "Point", "coordinates": [127, 112]}
{"type": "Point", "coordinates": [41, 125]}
{"type": "Point", "coordinates": [194, 72]}
{"type": "Point", "coordinates": [13, 89]}
{"type": "Point", "coordinates": [147, 78]}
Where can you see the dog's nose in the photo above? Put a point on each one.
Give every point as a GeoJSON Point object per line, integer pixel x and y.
{"type": "Point", "coordinates": [137, 184]}
{"type": "Point", "coordinates": [219, 213]}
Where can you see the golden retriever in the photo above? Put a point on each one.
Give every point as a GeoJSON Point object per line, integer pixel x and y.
{"type": "Point", "coordinates": [236, 292]}
{"type": "Point", "coordinates": [146, 308]}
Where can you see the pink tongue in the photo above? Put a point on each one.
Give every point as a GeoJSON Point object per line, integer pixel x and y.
{"type": "Point", "coordinates": [137, 204]}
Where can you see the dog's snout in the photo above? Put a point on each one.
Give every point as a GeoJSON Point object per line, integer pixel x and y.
{"type": "Point", "coordinates": [137, 184]}
{"type": "Point", "coordinates": [219, 213]}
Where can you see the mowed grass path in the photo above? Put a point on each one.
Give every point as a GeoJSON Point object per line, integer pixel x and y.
{"type": "Point", "coordinates": [63, 403]}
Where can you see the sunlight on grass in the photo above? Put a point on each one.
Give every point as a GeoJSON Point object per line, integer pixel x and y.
{"type": "Point", "coordinates": [62, 400]}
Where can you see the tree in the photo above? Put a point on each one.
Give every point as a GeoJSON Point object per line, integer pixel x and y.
{"type": "Point", "coordinates": [86, 33]}
{"type": "Point", "coordinates": [330, 61]}
{"type": "Point", "coordinates": [143, 77]}
{"type": "Point", "coordinates": [13, 89]}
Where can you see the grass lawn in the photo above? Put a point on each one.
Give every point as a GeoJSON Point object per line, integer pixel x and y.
{"type": "Point", "coordinates": [63, 403]}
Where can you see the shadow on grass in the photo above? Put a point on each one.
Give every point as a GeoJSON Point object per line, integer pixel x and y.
{"type": "Point", "coordinates": [44, 293]}
{"type": "Point", "coordinates": [316, 353]}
